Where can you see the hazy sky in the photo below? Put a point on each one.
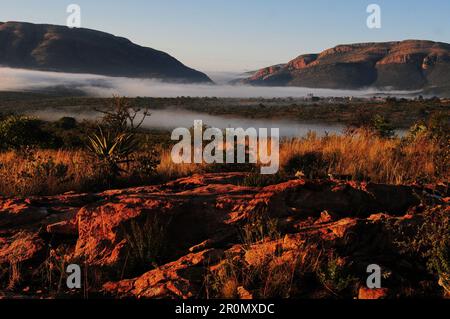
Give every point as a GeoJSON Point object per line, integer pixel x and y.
{"type": "Point", "coordinates": [242, 35]}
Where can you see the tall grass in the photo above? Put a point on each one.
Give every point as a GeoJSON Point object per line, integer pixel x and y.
{"type": "Point", "coordinates": [168, 170]}
{"type": "Point", "coordinates": [357, 156]}
{"type": "Point", "coordinates": [365, 156]}
{"type": "Point", "coordinates": [44, 172]}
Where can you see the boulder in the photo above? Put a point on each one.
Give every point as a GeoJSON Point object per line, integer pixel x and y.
{"type": "Point", "coordinates": [181, 279]}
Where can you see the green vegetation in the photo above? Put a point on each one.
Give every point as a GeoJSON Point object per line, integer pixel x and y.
{"type": "Point", "coordinates": [428, 241]}
{"type": "Point", "coordinates": [46, 158]}
{"type": "Point", "coordinates": [334, 275]}
{"type": "Point", "coordinates": [114, 150]}
{"type": "Point", "coordinates": [18, 131]}
{"type": "Point", "coordinates": [402, 113]}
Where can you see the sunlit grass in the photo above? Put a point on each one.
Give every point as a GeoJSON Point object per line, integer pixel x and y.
{"type": "Point", "coordinates": [359, 156]}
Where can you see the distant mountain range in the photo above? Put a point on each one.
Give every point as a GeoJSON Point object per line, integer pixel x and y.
{"type": "Point", "coordinates": [61, 49]}
{"type": "Point", "coordinates": [405, 65]}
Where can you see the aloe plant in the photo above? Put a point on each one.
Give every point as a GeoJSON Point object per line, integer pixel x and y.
{"type": "Point", "coordinates": [112, 149]}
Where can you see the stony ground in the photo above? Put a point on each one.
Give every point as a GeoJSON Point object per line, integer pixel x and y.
{"type": "Point", "coordinates": [206, 236]}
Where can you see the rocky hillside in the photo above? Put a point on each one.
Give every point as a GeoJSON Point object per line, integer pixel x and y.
{"type": "Point", "coordinates": [61, 49]}
{"type": "Point", "coordinates": [406, 65]}
{"type": "Point", "coordinates": [209, 236]}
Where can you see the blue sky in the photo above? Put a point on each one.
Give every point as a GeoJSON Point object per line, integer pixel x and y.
{"type": "Point", "coordinates": [240, 35]}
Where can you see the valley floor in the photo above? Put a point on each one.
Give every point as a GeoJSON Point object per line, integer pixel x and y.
{"type": "Point", "coordinates": [401, 113]}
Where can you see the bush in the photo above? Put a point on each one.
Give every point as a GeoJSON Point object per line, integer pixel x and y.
{"type": "Point", "coordinates": [66, 123]}
{"type": "Point", "coordinates": [38, 175]}
{"type": "Point", "coordinates": [428, 241]}
{"type": "Point", "coordinates": [382, 127]}
{"type": "Point", "coordinates": [115, 142]}
{"type": "Point", "coordinates": [17, 131]}
{"type": "Point", "coordinates": [437, 128]}
{"type": "Point", "coordinates": [145, 165]}
{"type": "Point", "coordinates": [270, 271]}
{"type": "Point", "coordinates": [310, 164]}
{"type": "Point", "coordinates": [436, 131]}
{"type": "Point", "coordinates": [112, 149]}
{"type": "Point", "coordinates": [334, 276]}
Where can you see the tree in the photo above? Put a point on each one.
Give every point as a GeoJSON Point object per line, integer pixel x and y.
{"type": "Point", "coordinates": [122, 116]}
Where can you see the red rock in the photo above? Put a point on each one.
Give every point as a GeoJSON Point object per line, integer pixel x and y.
{"type": "Point", "coordinates": [67, 228]}
{"type": "Point", "coordinates": [410, 64]}
{"type": "Point", "coordinates": [202, 217]}
{"type": "Point", "coordinates": [19, 212]}
{"type": "Point", "coordinates": [21, 247]}
{"type": "Point", "coordinates": [180, 279]}
{"type": "Point", "coordinates": [191, 211]}
{"type": "Point", "coordinates": [244, 294]}
{"type": "Point", "coordinates": [367, 293]}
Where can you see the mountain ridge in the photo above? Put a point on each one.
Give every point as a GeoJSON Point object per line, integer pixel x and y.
{"type": "Point", "coordinates": [47, 47]}
{"type": "Point", "coordinates": [405, 65]}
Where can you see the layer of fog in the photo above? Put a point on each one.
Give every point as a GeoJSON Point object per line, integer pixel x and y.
{"type": "Point", "coordinates": [102, 86]}
{"type": "Point", "coordinates": [224, 77]}
{"type": "Point", "coordinates": [172, 118]}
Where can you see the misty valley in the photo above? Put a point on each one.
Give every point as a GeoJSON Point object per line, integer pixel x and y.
{"type": "Point", "coordinates": [311, 168]}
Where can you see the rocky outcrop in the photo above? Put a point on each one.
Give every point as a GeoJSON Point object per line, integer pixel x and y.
{"type": "Point", "coordinates": [165, 241]}
{"type": "Point", "coordinates": [182, 278]}
{"type": "Point", "coordinates": [61, 49]}
{"type": "Point", "coordinates": [405, 65]}
{"type": "Point", "coordinates": [267, 72]}
{"type": "Point", "coordinates": [302, 62]}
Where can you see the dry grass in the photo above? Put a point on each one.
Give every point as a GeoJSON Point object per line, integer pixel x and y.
{"type": "Point", "coordinates": [268, 264]}
{"type": "Point", "coordinates": [44, 172]}
{"type": "Point", "coordinates": [169, 170]}
{"type": "Point", "coordinates": [360, 156]}
{"type": "Point", "coordinates": [267, 270]}
{"type": "Point", "coordinates": [364, 156]}
{"type": "Point", "coordinates": [48, 172]}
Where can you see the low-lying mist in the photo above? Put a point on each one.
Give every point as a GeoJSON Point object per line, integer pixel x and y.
{"type": "Point", "coordinates": [103, 86]}
{"type": "Point", "coordinates": [170, 119]}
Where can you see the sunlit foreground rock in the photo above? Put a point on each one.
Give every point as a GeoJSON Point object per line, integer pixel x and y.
{"type": "Point", "coordinates": [182, 240]}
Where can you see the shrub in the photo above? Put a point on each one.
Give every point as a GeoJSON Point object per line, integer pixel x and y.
{"type": "Point", "coordinates": [38, 174]}
{"type": "Point", "coordinates": [112, 150]}
{"type": "Point", "coordinates": [115, 141]}
{"type": "Point", "coordinates": [429, 241]}
{"type": "Point", "coordinates": [145, 165]}
{"type": "Point", "coordinates": [382, 127]}
{"type": "Point", "coordinates": [266, 272]}
{"type": "Point", "coordinates": [122, 116]}
{"type": "Point", "coordinates": [22, 131]}
{"type": "Point", "coordinates": [310, 164]}
{"type": "Point", "coordinates": [435, 131]}
{"type": "Point", "coordinates": [66, 123]}
{"type": "Point", "coordinates": [334, 276]}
